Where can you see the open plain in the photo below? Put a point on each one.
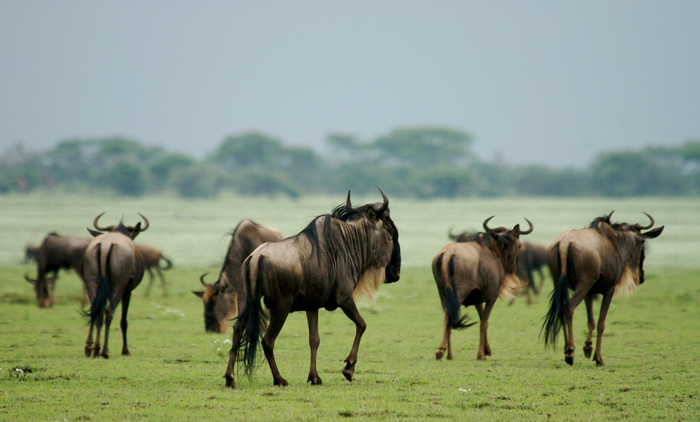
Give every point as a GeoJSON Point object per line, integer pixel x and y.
{"type": "Point", "coordinates": [651, 344]}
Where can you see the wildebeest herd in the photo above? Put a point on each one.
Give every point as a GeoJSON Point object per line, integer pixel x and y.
{"type": "Point", "coordinates": [344, 255]}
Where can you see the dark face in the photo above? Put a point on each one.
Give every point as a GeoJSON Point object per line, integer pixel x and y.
{"type": "Point", "coordinates": [216, 307]}
{"type": "Point", "coordinates": [393, 270]}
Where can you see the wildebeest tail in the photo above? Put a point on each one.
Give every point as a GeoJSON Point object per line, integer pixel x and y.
{"type": "Point", "coordinates": [558, 301]}
{"type": "Point", "coordinates": [104, 289]}
{"type": "Point", "coordinates": [452, 305]}
{"type": "Point", "coordinates": [167, 261]}
{"type": "Point", "coordinates": [251, 317]}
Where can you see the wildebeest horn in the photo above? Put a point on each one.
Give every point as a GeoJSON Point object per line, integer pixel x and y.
{"type": "Point", "coordinates": [103, 229]}
{"type": "Point", "coordinates": [30, 280]}
{"type": "Point", "coordinates": [607, 219]}
{"type": "Point", "coordinates": [450, 235]}
{"type": "Point", "coordinates": [486, 224]}
{"type": "Point", "coordinates": [531, 227]}
{"type": "Point", "coordinates": [145, 221]}
{"type": "Point", "coordinates": [347, 202]}
{"type": "Point", "coordinates": [201, 279]}
{"type": "Point", "coordinates": [385, 204]}
{"type": "Point", "coordinates": [651, 224]}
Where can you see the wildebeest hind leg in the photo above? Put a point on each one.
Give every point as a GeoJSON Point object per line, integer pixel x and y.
{"type": "Point", "coordinates": [314, 342]}
{"type": "Point", "coordinates": [108, 321]}
{"type": "Point", "coordinates": [150, 281]}
{"type": "Point", "coordinates": [88, 341]}
{"type": "Point", "coordinates": [123, 324]}
{"type": "Point", "coordinates": [569, 321]}
{"type": "Point", "coordinates": [96, 346]}
{"type": "Point", "coordinates": [277, 319]}
{"type": "Point", "coordinates": [446, 341]}
{"type": "Point", "coordinates": [604, 306]}
{"type": "Point", "coordinates": [351, 312]}
{"type": "Point", "coordinates": [484, 347]}
{"type": "Point", "coordinates": [588, 347]}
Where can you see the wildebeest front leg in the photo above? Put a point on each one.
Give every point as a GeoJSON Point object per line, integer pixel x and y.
{"type": "Point", "coordinates": [484, 347]}
{"type": "Point", "coordinates": [229, 376]}
{"type": "Point", "coordinates": [588, 347]}
{"type": "Point", "coordinates": [446, 341]}
{"type": "Point", "coordinates": [604, 306]}
{"type": "Point", "coordinates": [123, 324]}
{"type": "Point", "coordinates": [351, 311]}
{"type": "Point", "coordinates": [314, 342]}
{"type": "Point", "coordinates": [150, 281]}
{"type": "Point", "coordinates": [277, 319]}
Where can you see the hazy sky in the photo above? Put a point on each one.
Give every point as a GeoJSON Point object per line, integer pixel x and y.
{"type": "Point", "coordinates": [551, 82]}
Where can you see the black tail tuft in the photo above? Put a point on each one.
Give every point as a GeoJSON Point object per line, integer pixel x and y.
{"type": "Point", "coordinates": [558, 303]}
{"type": "Point", "coordinates": [251, 318]}
{"type": "Point", "coordinates": [104, 290]}
{"type": "Point", "coordinates": [452, 305]}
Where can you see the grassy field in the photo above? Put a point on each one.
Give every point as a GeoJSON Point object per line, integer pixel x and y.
{"type": "Point", "coordinates": [651, 343]}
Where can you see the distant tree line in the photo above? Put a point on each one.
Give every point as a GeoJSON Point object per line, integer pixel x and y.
{"type": "Point", "coordinates": [421, 162]}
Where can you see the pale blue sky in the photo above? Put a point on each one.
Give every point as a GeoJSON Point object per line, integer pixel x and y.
{"type": "Point", "coordinates": [550, 82]}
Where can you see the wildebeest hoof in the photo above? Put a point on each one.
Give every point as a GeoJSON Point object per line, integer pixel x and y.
{"type": "Point", "coordinates": [588, 351]}
{"type": "Point", "coordinates": [88, 351]}
{"type": "Point", "coordinates": [599, 361]}
{"type": "Point", "coordinates": [126, 353]}
{"type": "Point", "coordinates": [439, 354]}
{"type": "Point", "coordinates": [230, 382]}
{"type": "Point", "coordinates": [282, 382]}
{"type": "Point", "coordinates": [314, 380]}
{"type": "Point", "coordinates": [348, 374]}
{"type": "Point", "coordinates": [569, 359]}
{"type": "Point", "coordinates": [481, 358]}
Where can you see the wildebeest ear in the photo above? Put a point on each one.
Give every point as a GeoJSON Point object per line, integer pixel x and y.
{"type": "Point", "coordinates": [653, 233]}
{"type": "Point", "coordinates": [516, 231]}
{"type": "Point", "coordinates": [93, 232]}
{"type": "Point", "coordinates": [198, 294]}
{"type": "Point", "coordinates": [371, 214]}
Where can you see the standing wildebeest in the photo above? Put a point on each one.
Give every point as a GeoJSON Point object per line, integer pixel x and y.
{"type": "Point", "coordinates": [531, 259]}
{"type": "Point", "coordinates": [111, 269]}
{"type": "Point", "coordinates": [221, 298]}
{"type": "Point", "coordinates": [602, 259]}
{"type": "Point", "coordinates": [151, 259]}
{"type": "Point", "coordinates": [349, 252]}
{"type": "Point", "coordinates": [475, 272]}
{"type": "Point", "coordinates": [55, 252]}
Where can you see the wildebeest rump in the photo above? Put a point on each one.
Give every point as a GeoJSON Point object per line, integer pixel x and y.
{"type": "Point", "coordinates": [337, 256]}
{"type": "Point", "coordinates": [55, 252]}
{"type": "Point", "coordinates": [111, 269]}
{"type": "Point", "coordinates": [531, 259]}
{"type": "Point", "coordinates": [604, 258]}
{"type": "Point", "coordinates": [221, 298]}
{"type": "Point", "coordinates": [476, 272]}
{"type": "Point", "coordinates": [151, 259]}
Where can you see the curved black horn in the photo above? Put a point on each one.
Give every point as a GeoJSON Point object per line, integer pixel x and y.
{"type": "Point", "coordinates": [385, 204]}
{"type": "Point", "coordinates": [103, 229]}
{"type": "Point", "coordinates": [30, 280]}
{"type": "Point", "coordinates": [486, 224]}
{"type": "Point", "coordinates": [607, 219]}
{"type": "Point", "coordinates": [201, 280]}
{"type": "Point", "coordinates": [531, 227]}
{"type": "Point", "coordinates": [651, 224]}
{"type": "Point", "coordinates": [348, 205]}
{"type": "Point", "coordinates": [145, 221]}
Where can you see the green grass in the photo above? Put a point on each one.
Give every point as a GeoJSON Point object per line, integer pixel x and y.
{"type": "Point", "coordinates": [651, 344]}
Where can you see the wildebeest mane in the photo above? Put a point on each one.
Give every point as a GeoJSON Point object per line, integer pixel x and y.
{"type": "Point", "coordinates": [311, 233]}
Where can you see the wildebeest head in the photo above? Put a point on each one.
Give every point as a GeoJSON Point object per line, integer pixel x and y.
{"type": "Point", "coordinates": [215, 305]}
{"type": "Point", "coordinates": [387, 253]}
{"type": "Point", "coordinates": [129, 231]}
{"type": "Point", "coordinates": [630, 240]}
{"type": "Point", "coordinates": [507, 243]}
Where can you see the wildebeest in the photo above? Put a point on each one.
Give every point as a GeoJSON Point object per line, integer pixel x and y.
{"type": "Point", "coordinates": [55, 252]}
{"type": "Point", "coordinates": [604, 258]}
{"type": "Point", "coordinates": [111, 269]}
{"type": "Point", "coordinates": [349, 252]}
{"type": "Point", "coordinates": [151, 259]}
{"type": "Point", "coordinates": [531, 259]}
{"type": "Point", "coordinates": [221, 298]}
{"type": "Point", "coordinates": [30, 251]}
{"type": "Point", "coordinates": [476, 272]}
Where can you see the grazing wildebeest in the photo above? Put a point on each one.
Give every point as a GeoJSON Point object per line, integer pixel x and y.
{"type": "Point", "coordinates": [151, 259]}
{"type": "Point", "coordinates": [221, 298]}
{"type": "Point", "coordinates": [55, 252]}
{"type": "Point", "coordinates": [476, 272]}
{"type": "Point", "coordinates": [111, 269]}
{"type": "Point", "coordinates": [604, 258]}
{"type": "Point", "coordinates": [349, 252]}
{"type": "Point", "coordinates": [531, 259]}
